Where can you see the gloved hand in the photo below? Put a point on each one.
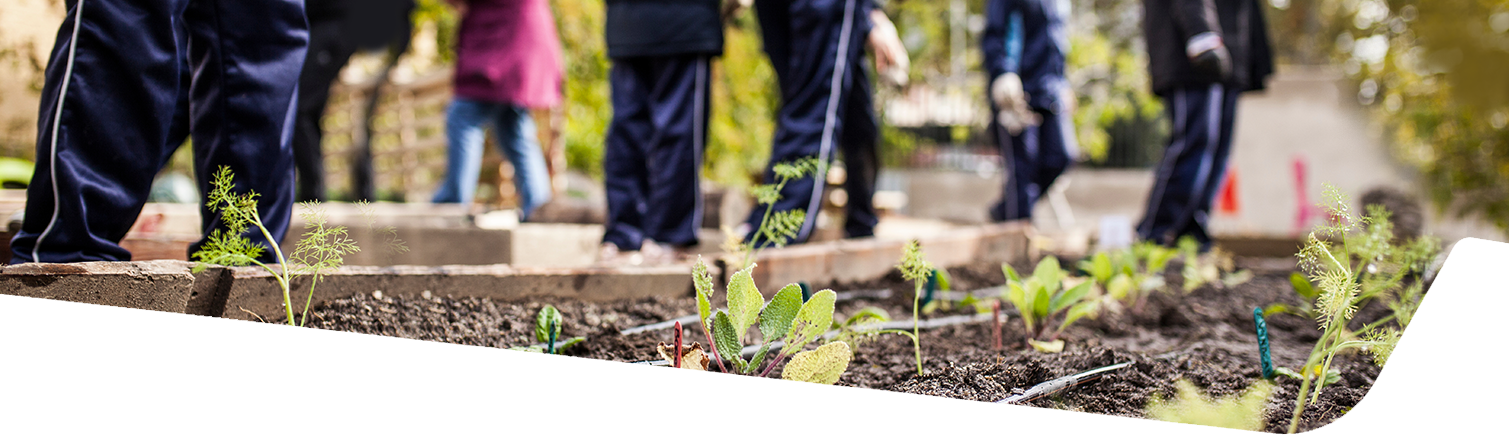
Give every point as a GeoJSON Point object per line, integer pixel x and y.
{"type": "Point", "coordinates": [732, 8]}
{"type": "Point", "coordinates": [1208, 55]}
{"type": "Point", "coordinates": [1011, 100]}
{"type": "Point", "coordinates": [891, 61]}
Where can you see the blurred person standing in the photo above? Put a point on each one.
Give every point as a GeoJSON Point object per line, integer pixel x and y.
{"type": "Point", "coordinates": [817, 50]}
{"type": "Point", "coordinates": [1202, 54]}
{"type": "Point", "coordinates": [662, 53]}
{"type": "Point", "coordinates": [1024, 47]}
{"type": "Point", "coordinates": [110, 117]}
{"type": "Point", "coordinates": [508, 60]}
{"type": "Point", "coordinates": [337, 30]}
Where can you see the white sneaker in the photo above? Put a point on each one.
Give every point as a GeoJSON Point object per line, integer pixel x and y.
{"type": "Point", "coordinates": [609, 255]}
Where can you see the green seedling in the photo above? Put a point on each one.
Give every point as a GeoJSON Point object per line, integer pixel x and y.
{"type": "Point", "coordinates": [322, 249]}
{"type": "Point", "coordinates": [785, 315]}
{"type": "Point", "coordinates": [1045, 301]}
{"type": "Point", "coordinates": [776, 228]}
{"type": "Point", "coordinates": [860, 328]}
{"type": "Point", "coordinates": [938, 284]}
{"type": "Point", "coordinates": [1351, 261]}
{"type": "Point", "coordinates": [1215, 268]}
{"type": "Point", "coordinates": [547, 330]}
{"type": "Point", "coordinates": [1130, 275]}
{"type": "Point", "coordinates": [917, 270]}
{"type": "Point", "coordinates": [1189, 405]}
{"type": "Point", "coordinates": [233, 405]}
{"type": "Point", "coordinates": [6, 420]}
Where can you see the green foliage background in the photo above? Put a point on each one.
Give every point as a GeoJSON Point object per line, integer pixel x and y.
{"type": "Point", "coordinates": [1433, 74]}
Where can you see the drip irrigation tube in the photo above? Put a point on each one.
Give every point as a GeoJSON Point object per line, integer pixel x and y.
{"type": "Point", "coordinates": [187, 379]}
{"type": "Point", "coordinates": [1037, 391]}
{"type": "Point", "coordinates": [447, 401]}
{"type": "Point", "coordinates": [693, 318]}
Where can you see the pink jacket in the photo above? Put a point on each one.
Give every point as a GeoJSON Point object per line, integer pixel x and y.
{"type": "Point", "coordinates": [507, 51]}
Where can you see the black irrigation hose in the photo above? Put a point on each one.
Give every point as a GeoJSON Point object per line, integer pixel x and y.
{"type": "Point", "coordinates": [1037, 391]}
{"type": "Point", "coordinates": [189, 379]}
{"type": "Point", "coordinates": [693, 318]}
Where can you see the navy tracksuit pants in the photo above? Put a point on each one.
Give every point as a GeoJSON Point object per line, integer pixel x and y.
{"type": "Point", "coordinates": [1034, 159]}
{"type": "Point", "coordinates": [110, 119]}
{"type": "Point", "coordinates": [653, 160]}
{"type": "Point", "coordinates": [1193, 165]}
{"type": "Point", "coordinates": [817, 50]}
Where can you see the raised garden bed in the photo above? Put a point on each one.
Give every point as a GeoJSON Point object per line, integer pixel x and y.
{"type": "Point", "coordinates": [1205, 337]}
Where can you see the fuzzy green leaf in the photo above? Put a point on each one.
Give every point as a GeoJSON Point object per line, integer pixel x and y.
{"type": "Point", "coordinates": [690, 407]}
{"type": "Point", "coordinates": [1081, 310]}
{"type": "Point", "coordinates": [349, 405]}
{"type": "Point", "coordinates": [815, 317]}
{"type": "Point", "coordinates": [1070, 297]}
{"type": "Point", "coordinates": [233, 405]}
{"type": "Point", "coordinates": [776, 318]}
{"type": "Point", "coordinates": [823, 365]}
{"type": "Point", "coordinates": [405, 387]}
{"type": "Point", "coordinates": [6, 420]}
{"type": "Point", "coordinates": [744, 301]}
{"type": "Point", "coordinates": [1302, 286]}
{"type": "Point", "coordinates": [703, 282]}
{"type": "Point", "coordinates": [731, 401]}
{"type": "Point", "coordinates": [727, 340]}
{"type": "Point", "coordinates": [759, 358]}
{"type": "Point", "coordinates": [548, 316]}
{"type": "Point", "coordinates": [516, 360]}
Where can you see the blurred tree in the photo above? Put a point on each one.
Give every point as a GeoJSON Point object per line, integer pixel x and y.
{"type": "Point", "coordinates": [1433, 72]}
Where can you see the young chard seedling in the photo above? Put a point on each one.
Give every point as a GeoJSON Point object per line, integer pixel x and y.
{"type": "Point", "coordinates": [1043, 299]}
{"type": "Point", "coordinates": [547, 327]}
{"type": "Point", "coordinates": [785, 315]}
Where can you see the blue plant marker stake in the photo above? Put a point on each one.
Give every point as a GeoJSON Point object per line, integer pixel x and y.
{"type": "Point", "coordinates": [931, 286]}
{"type": "Point", "coordinates": [1262, 342]}
{"type": "Point", "coordinates": [806, 291]}
{"type": "Point", "coordinates": [550, 351]}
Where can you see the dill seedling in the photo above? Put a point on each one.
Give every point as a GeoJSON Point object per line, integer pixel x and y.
{"type": "Point", "coordinates": [321, 250]}
{"type": "Point", "coordinates": [917, 270]}
{"type": "Point", "coordinates": [776, 228]}
{"type": "Point", "coordinates": [1352, 261]}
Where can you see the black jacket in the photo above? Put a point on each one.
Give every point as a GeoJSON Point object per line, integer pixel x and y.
{"type": "Point", "coordinates": [638, 28]}
{"type": "Point", "coordinates": [1168, 25]}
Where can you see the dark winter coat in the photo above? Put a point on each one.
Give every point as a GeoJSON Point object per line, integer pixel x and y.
{"type": "Point", "coordinates": [1168, 25]}
{"type": "Point", "coordinates": [638, 28]}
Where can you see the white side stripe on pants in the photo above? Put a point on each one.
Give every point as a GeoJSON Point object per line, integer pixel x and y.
{"type": "Point", "coordinates": [699, 94]}
{"type": "Point", "coordinates": [57, 119]}
{"type": "Point", "coordinates": [820, 178]}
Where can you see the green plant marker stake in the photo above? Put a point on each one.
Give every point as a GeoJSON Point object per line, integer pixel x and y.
{"type": "Point", "coordinates": [1262, 343]}
{"type": "Point", "coordinates": [550, 349]}
{"type": "Point", "coordinates": [931, 286]}
{"type": "Point", "coordinates": [806, 291]}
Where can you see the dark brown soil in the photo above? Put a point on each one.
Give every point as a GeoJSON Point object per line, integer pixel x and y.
{"type": "Point", "coordinates": [1204, 337]}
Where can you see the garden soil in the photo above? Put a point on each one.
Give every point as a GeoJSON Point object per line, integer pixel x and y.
{"type": "Point", "coordinates": [1205, 336]}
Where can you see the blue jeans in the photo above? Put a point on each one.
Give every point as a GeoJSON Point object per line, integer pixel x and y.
{"type": "Point", "coordinates": [514, 130]}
